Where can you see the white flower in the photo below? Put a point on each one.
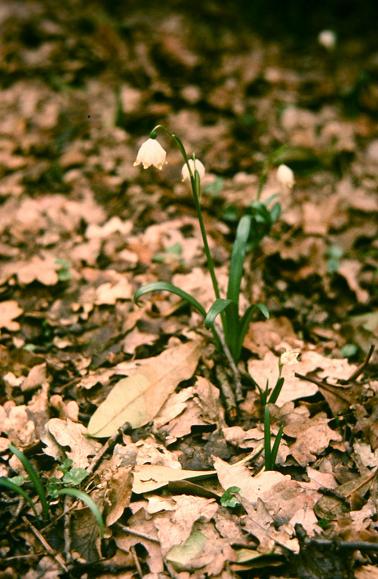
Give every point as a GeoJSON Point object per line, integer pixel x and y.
{"type": "Point", "coordinates": [195, 165]}
{"type": "Point", "coordinates": [285, 176]}
{"type": "Point", "coordinates": [327, 39]}
{"type": "Point", "coordinates": [289, 357]}
{"type": "Point", "coordinates": [151, 153]}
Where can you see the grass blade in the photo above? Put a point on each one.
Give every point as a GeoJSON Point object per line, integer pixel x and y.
{"type": "Point", "coordinates": [34, 479]}
{"type": "Point", "coordinates": [159, 286]}
{"type": "Point", "coordinates": [267, 439]}
{"type": "Point", "coordinates": [4, 482]}
{"type": "Point", "coordinates": [275, 447]}
{"type": "Point", "coordinates": [216, 308]}
{"type": "Point", "coordinates": [237, 258]}
{"type": "Point", "coordinates": [276, 391]}
{"type": "Point", "coordinates": [88, 501]}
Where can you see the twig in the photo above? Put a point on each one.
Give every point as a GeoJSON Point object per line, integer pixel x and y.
{"type": "Point", "coordinates": [67, 520]}
{"type": "Point", "coordinates": [137, 533]}
{"type": "Point", "coordinates": [97, 459]}
{"type": "Point", "coordinates": [234, 368]}
{"type": "Point", "coordinates": [57, 556]}
{"type": "Point", "coordinates": [336, 544]}
{"type": "Point", "coordinates": [227, 393]}
{"type": "Point", "coordinates": [323, 384]}
{"type": "Point", "coordinates": [136, 562]}
{"type": "Point", "coordinates": [360, 368]}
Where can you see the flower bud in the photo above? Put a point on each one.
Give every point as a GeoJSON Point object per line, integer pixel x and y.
{"type": "Point", "coordinates": [151, 153]}
{"type": "Point", "coordinates": [289, 357]}
{"type": "Point", "coordinates": [327, 39]}
{"type": "Point", "coordinates": [195, 165]}
{"type": "Point", "coordinates": [285, 176]}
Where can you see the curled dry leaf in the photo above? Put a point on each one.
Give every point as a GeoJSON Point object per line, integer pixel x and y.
{"type": "Point", "coordinates": [138, 398]}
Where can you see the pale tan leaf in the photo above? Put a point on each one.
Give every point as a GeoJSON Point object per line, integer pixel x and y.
{"type": "Point", "coordinates": [148, 478]}
{"type": "Point", "coordinates": [66, 433]}
{"type": "Point", "coordinates": [9, 310]}
{"type": "Point", "coordinates": [138, 398]}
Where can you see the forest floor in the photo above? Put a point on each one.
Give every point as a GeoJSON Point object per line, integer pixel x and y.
{"type": "Point", "coordinates": [82, 229]}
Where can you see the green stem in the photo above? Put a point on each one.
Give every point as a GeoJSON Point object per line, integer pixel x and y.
{"type": "Point", "coordinates": [196, 190]}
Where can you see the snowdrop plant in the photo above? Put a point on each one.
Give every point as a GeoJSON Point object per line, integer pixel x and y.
{"type": "Point", "coordinates": [234, 325]}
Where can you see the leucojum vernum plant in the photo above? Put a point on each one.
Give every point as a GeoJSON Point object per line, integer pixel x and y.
{"type": "Point", "coordinates": [250, 230]}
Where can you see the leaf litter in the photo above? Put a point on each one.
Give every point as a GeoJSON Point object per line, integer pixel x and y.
{"type": "Point", "coordinates": [132, 395]}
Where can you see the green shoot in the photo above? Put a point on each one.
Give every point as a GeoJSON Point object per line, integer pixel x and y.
{"type": "Point", "coordinates": [8, 484]}
{"type": "Point", "coordinates": [270, 453]}
{"type": "Point", "coordinates": [34, 479]}
{"type": "Point", "coordinates": [77, 494]}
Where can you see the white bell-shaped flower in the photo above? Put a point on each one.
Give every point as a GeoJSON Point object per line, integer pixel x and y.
{"type": "Point", "coordinates": [289, 357]}
{"type": "Point", "coordinates": [285, 177]}
{"type": "Point", "coordinates": [327, 39]}
{"type": "Point", "coordinates": [151, 153]}
{"type": "Point", "coordinates": [195, 165]}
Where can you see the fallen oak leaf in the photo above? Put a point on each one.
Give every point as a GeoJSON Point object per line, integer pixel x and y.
{"type": "Point", "coordinates": [9, 310]}
{"type": "Point", "coordinates": [149, 477]}
{"type": "Point", "coordinates": [137, 399]}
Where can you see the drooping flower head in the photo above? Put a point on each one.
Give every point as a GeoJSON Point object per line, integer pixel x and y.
{"type": "Point", "coordinates": [327, 39]}
{"type": "Point", "coordinates": [151, 153]}
{"type": "Point", "coordinates": [195, 165]}
{"type": "Point", "coordinates": [285, 177]}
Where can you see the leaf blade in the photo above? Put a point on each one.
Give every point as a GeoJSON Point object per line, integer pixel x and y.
{"type": "Point", "coordinates": [138, 398]}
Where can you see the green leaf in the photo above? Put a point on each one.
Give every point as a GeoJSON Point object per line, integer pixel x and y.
{"type": "Point", "coordinates": [34, 478]}
{"type": "Point", "coordinates": [263, 309]}
{"type": "Point", "coordinates": [276, 444]}
{"type": "Point", "coordinates": [75, 476]}
{"type": "Point", "coordinates": [237, 258]}
{"type": "Point", "coordinates": [349, 350]}
{"type": "Point", "coordinates": [276, 391]}
{"type": "Point", "coordinates": [216, 308]}
{"type": "Point", "coordinates": [88, 501]}
{"type": "Point", "coordinates": [159, 286]}
{"type": "Point", "coordinates": [228, 498]}
{"type": "Point", "coordinates": [267, 444]}
{"type": "Point", "coordinates": [6, 483]}
{"type": "Point", "coordinates": [246, 320]}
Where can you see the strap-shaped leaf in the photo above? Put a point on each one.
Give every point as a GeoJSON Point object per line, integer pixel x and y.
{"type": "Point", "coordinates": [246, 320]}
{"type": "Point", "coordinates": [6, 483]}
{"type": "Point", "coordinates": [276, 444]}
{"type": "Point", "coordinates": [237, 258]}
{"type": "Point", "coordinates": [159, 286]}
{"type": "Point", "coordinates": [34, 478]}
{"type": "Point", "coordinates": [88, 501]}
{"type": "Point", "coordinates": [263, 309]}
{"type": "Point", "coordinates": [276, 390]}
{"type": "Point", "coordinates": [216, 308]}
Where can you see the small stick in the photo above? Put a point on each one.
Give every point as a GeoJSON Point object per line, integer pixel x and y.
{"type": "Point", "coordinates": [227, 393]}
{"type": "Point", "coordinates": [234, 368]}
{"type": "Point", "coordinates": [97, 459]}
{"type": "Point", "coordinates": [136, 562]}
{"type": "Point", "coordinates": [67, 520]}
{"type": "Point", "coordinates": [57, 556]}
{"type": "Point", "coordinates": [360, 368]}
{"type": "Point", "coordinates": [336, 544]}
{"type": "Point", "coordinates": [323, 384]}
{"type": "Point", "coordinates": [137, 533]}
